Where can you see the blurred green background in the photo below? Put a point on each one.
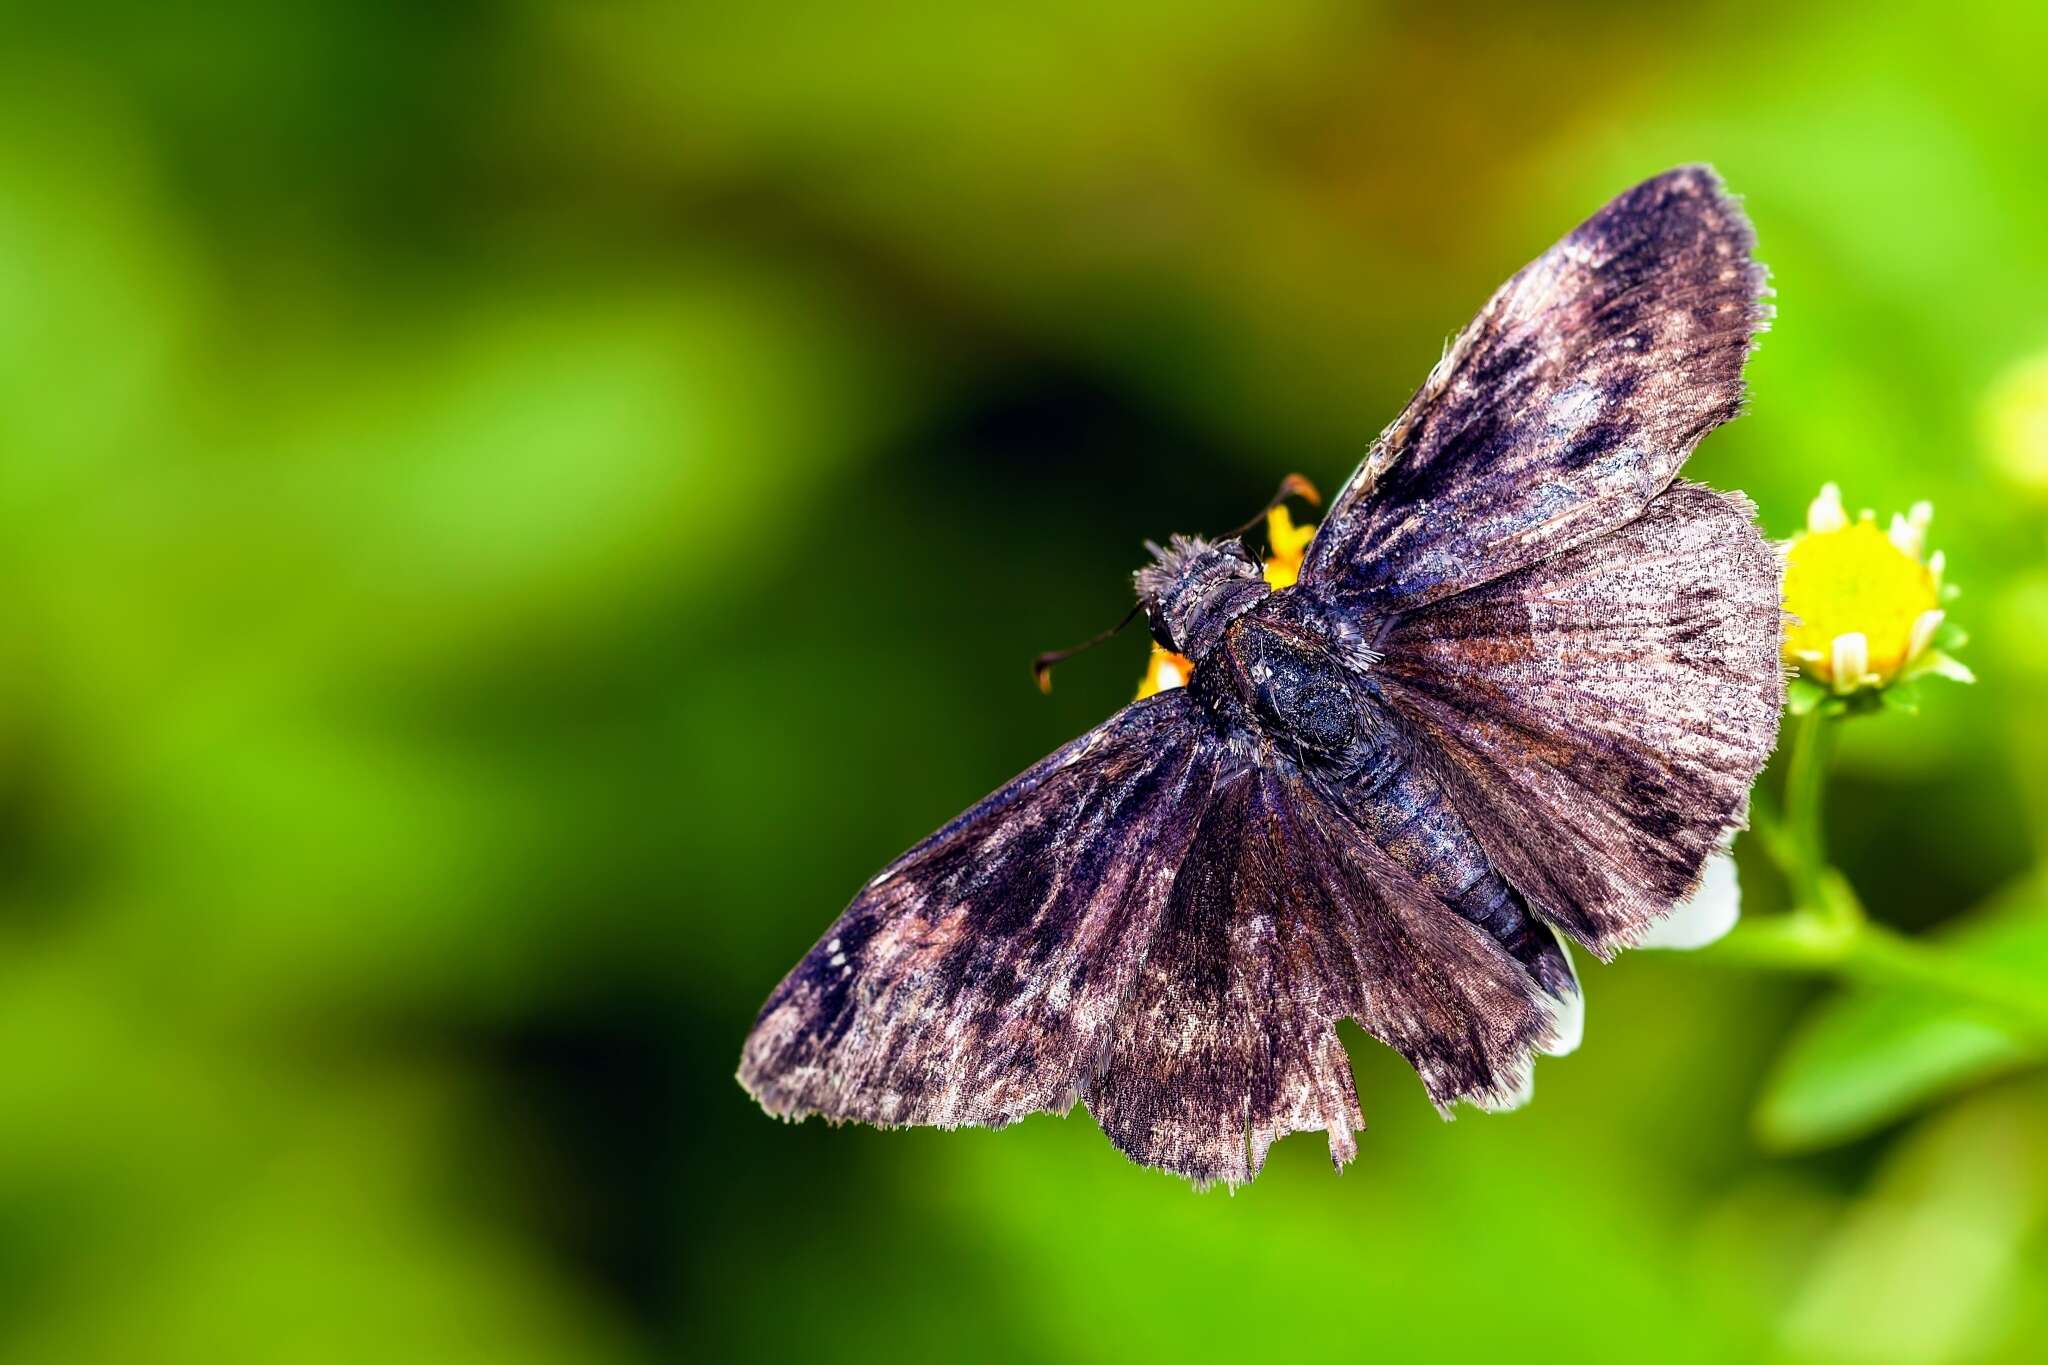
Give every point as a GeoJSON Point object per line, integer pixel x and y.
{"type": "Point", "coordinates": [509, 515]}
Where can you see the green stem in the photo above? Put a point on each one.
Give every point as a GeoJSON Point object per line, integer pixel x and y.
{"type": "Point", "coordinates": [1805, 778]}
{"type": "Point", "coordinates": [1822, 941]}
{"type": "Point", "coordinates": [1769, 831]}
{"type": "Point", "coordinates": [1830, 932]}
{"type": "Point", "coordinates": [1889, 958]}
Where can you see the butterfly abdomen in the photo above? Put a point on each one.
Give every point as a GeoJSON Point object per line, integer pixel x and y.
{"type": "Point", "coordinates": [1417, 825]}
{"type": "Point", "coordinates": [1309, 702]}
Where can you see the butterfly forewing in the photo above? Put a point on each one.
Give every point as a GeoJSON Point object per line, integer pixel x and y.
{"type": "Point", "coordinates": [975, 980]}
{"type": "Point", "coordinates": [1562, 409]}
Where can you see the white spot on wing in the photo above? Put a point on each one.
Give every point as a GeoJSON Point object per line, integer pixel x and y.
{"type": "Point", "coordinates": [1574, 408]}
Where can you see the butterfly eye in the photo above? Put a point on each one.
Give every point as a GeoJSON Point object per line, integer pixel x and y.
{"type": "Point", "coordinates": [1162, 630]}
{"type": "Point", "coordinates": [1195, 589]}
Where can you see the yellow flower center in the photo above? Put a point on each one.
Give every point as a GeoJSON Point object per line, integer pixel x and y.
{"type": "Point", "coordinates": [1854, 579]}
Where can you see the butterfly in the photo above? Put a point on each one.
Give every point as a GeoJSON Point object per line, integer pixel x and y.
{"type": "Point", "coordinates": [1517, 696]}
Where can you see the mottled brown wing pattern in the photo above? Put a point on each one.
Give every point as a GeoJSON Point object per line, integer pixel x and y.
{"type": "Point", "coordinates": [1228, 1041]}
{"type": "Point", "coordinates": [1431, 985]}
{"type": "Point", "coordinates": [1525, 681]}
{"type": "Point", "coordinates": [1163, 929]}
{"type": "Point", "coordinates": [1562, 410]}
{"type": "Point", "coordinates": [1285, 919]}
{"type": "Point", "coordinates": [1598, 719]}
{"type": "Point", "coordinates": [976, 979]}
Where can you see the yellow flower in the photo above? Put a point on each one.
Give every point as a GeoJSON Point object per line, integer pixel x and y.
{"type": "Point", "coordinates": [1867, 602]}
{"type": "Point", "coordinates": [1165, 671]}
{"type": "Point", "coordinates": [1286, 544]}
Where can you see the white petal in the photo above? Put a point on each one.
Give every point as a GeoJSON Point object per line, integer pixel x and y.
{"type": "Point", "coordinates": [1945, 666]}
{"type": "Point", "coordinates": [1515, 1096]}
{"type": "Point", "coordinates": [1825, 512]}
{"type": "Point", "coordinates": [1936, 563]}
{"type": "Point", "coordinates": [1851, 660]}
{"type": "Point", "coordinates": [1909, 537]}
{"type": "Point", "coordinates": [1568, 1018]}
{"type": "Point", "coordinates": [1569, 1014]}
{"type": "Point", "coordinates": [1924, 626]}
{"type": "Point", "coordinates": [1709, 913]}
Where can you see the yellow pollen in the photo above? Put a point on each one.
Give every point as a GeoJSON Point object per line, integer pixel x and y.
{"type": "Point", "coordinates": [1854, 579]}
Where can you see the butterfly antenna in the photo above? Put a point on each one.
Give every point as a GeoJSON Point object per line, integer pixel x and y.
{"type": "Point", "coordinates": [1293, 486]}
{"type": "Point", "coordinates": [1041, 667]}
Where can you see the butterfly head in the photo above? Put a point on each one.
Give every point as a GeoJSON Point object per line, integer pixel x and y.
{"type": "Point", "coordinates": [1195, 588]}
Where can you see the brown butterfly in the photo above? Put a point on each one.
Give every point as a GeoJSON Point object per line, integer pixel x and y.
{"type": "Point", "coordinates": [1520, 690]}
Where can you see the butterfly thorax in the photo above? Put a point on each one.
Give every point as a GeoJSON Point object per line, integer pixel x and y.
{"type": "Point", "coordinates": [1268, 669]}
{"type": "Point", "coordinates": [1283, 684]}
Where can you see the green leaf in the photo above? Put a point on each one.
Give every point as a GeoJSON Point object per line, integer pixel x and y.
{"type": "Point", "coordinates": [1868, 1056]}
{"type": "Point", "coordinates": [1802, 695]}
{"type": "Point", "coordinates": [1904, 697]}
{"type": "Point", "coordinates": [1949, 636]}
{"type": "Point", "coordinates": [1925, 1263]}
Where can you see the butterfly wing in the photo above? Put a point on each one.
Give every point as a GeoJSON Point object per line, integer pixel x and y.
{"type": "Point", "coordinates": [1562, 410]}
{"type": "Point", "coordinates": [1161, 925]}
{"type": "Point", "coordinates": [1597, 719]}
{"type": "Point", "coordinates": [1286, 917]}
{"type": "Point", "coordinates": [975, 980]}
{"type": "Point", "coordinates": [1168, 925]}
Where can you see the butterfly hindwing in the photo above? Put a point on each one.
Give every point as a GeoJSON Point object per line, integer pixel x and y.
{"type": "Point", "coordinates": [1598, 719]}
{"type": "Point", "coordinates": [1228, 1041]}
{"type": "Point", "coordinates": [1562, 409]}
{"type": "Point", "coordinates": [1286, 918]}
{"type": "Point", "coordinates": [1435, 987]}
